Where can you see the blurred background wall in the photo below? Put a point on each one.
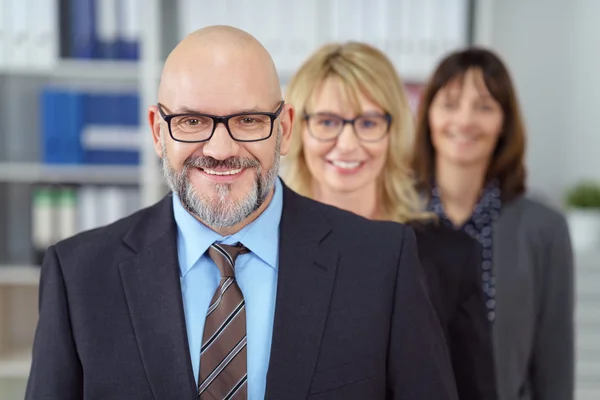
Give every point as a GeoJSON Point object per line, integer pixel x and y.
{"type": "Point", "coordinates": [552, 49]}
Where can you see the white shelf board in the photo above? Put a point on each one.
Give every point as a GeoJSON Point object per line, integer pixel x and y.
{"type": "Point", "coordinates": [82, 69]}
{"type": "Point", "coordinates": [84, 174]}
{"type": "Point", "coordinates": [19, 275]}
{"type": "Point", "coordinates": [15, 363]}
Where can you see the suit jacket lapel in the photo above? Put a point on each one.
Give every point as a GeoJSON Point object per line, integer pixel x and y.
{"type": "Point", "coordinates": [152, 289]}
{"type": "Point", "coordinates": [506, 271]}
{"type": "Point", "coordinates": [506, 256]}
{"type": "Point", "coordinates": [306, 275]}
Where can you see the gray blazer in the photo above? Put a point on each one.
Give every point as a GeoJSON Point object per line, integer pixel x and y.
{"type": "Point", "coordinates": [534, 327]}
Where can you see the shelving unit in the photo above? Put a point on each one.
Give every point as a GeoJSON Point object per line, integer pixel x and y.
{"type": "Point", "coordinates": [20, 171]}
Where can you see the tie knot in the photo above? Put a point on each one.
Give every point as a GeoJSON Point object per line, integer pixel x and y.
{"type": "Point", "coordinates": [224, 256]}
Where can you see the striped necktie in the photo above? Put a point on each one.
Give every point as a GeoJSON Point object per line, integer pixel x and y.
{"type": "Point", "coordinates": [223, 370]}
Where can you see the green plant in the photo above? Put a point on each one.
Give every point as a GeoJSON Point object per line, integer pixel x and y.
{"type": "Point", "coordinates": [585, 194]}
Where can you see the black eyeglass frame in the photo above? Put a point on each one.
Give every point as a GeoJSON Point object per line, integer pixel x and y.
{"type": "Point", "coordinates": [352, 122]}
{"type": "Point", "coordinates": [224, 119]}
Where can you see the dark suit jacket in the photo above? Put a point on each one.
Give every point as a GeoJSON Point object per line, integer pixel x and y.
{"type": "Point", "coordinates": [452, 263]}
{"type": "Point", "coordinates": [352, 319]}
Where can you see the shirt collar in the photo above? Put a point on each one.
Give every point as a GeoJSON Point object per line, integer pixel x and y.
{"type": "Point", "coordinates": [489, 203]}
{"type": "Point", "coordinates": [261, 236]}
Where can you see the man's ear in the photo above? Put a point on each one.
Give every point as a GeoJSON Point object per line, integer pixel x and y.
{"type": "Point", "coordinates": [287, 117]}
{"type": "Point", "coordinates": [154, 120]}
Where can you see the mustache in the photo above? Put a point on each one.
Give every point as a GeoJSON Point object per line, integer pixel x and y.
{"type": "Point", "coordinates": [206, 162]}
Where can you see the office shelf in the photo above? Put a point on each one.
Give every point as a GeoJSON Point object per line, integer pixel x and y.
{"type": "Point", "coordinates": [19, 275]}
{"type": "Point", "coordinates": [82, 69]}
{"type": "Point", "coordinates": [15, 363]}
{"type": "Point", "coordinates": [89, 174]}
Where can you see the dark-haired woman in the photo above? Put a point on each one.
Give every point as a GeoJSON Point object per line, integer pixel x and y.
{"type": "Point", "coordinates": [469, 163]}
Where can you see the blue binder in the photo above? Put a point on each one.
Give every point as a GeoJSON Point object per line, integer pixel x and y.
{"type": "Point", "coordinates": [119, 112]}
{"type": "Point", "coordinates": [83, 29]}
{"type": "Point", "coordinates": [66, 114]}
{"type": "Point", "coordinates": [62, 120]}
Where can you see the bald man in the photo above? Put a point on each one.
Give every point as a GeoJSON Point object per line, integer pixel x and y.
{"type": "Point", "coordinates": [233, 286]}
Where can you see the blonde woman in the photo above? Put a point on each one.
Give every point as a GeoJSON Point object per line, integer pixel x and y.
{"type": "Point", "coordinates": [350, 148]}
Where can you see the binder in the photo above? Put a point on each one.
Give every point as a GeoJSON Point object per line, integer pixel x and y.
{"type": "Point", "coordinates": [107, 28]}
{"type": "Point", "coordinates": [112, 204]}
{"type": "Point", "coordinates": [89, 127]}
{"type": "Point", "coordinates": [61, 211]}
{"type": "Point", "coordinates": [83, 29]}
{"type": "Point", "coordinates": [19, 34]}
{"type": "Point", "coordinates": [65, 209]}
{"type": "Point", "coordinates": [42, 218]}
{"type": "Point", "coordinates": [65, 46]}
{"type": "Point", "coordinates": [62, 120]}
{"type": "Point", "coordinates": [111, 132]}
{"type": "Point", "coordinates": [87, 207]}
{"type": "Point", "coordinates": [129, 29]}
{"type": "Point", "coordinates": [43, 21]}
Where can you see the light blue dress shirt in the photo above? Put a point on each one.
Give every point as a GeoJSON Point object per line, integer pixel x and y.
{"type": "Point", "coordinates": [256, 274]}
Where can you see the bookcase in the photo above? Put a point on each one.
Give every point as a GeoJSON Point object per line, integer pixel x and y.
{"type": "Point", "coordinates": [414, 33]}
{"type": "Point", "coordinates": [22, 166]}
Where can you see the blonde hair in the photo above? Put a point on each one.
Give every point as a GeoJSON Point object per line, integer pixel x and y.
{"type": "Point", "coordinates": [363, 70]}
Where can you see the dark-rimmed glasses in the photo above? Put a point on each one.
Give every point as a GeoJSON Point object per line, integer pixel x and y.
{"type": "Point", "coordinates": [367, 127]}
{"type": "Point", "coordinates": [242, 127]}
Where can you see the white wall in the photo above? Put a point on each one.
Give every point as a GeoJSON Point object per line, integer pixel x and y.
{"type": "Point", "coordinates": [583, 139]}
{"type": "Point", "coordinates": [549, 48]}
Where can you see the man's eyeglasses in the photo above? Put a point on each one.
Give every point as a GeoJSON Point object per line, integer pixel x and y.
{"type": "Point", "coordinates": [242, 127]}
{"type": "Point", "coordinates": [367, 127]}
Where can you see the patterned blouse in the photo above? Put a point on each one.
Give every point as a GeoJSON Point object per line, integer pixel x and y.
{"type": "Point", "coordinates": [479, 227]}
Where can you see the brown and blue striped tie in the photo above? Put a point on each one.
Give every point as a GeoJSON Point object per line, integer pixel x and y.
{"type": "Point", "coordinates": [223, 369]}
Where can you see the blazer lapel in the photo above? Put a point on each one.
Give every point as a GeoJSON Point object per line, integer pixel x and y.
{"type": "Point", "coordinates": [152, 289]}
{"type": "Point", "coordinates": [506, 271]}
{"type": "Point", "coordinates": [506, 256]}
{"type": "Point", "coordinates": [306, 276]}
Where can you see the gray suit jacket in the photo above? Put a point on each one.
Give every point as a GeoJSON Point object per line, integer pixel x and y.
{"type": "Point", "coordinates": [534, 328]}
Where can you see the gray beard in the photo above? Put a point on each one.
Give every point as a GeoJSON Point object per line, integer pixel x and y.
{"type": "Point", "coordinates": [220, 210]}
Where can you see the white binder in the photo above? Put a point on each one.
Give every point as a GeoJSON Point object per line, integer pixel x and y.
{"type": "Point", "coordinates": [45, 34]}
{"type": "Point", "coordinates": [19, 33]}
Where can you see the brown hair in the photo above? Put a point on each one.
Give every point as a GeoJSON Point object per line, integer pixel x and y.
{"type": "Point", "coordinates": [507, 164]}
{"type": "Point", "coordinates": [363, 69]}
